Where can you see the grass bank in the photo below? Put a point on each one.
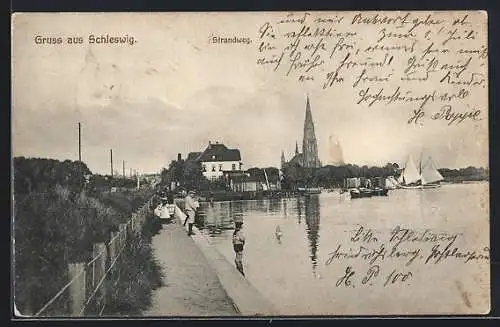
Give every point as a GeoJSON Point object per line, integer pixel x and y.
{"type": "Point", "coordinates": [58, 226]}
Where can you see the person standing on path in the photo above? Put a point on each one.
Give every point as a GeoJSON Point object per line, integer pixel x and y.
{"type": "Point", "coordinates": [238, 244]}
{"type": "Point", "coordinates": [190, 206]}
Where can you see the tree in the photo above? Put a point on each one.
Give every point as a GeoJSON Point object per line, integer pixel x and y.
{"type": "Point", "coordinates": [293, 176]}
{"type": "Point", "coordinates": [40, 175]}
{"type": "Point", "coordinates": [257, 173]}
{"type": "Point", "coordinates": [187, 173]}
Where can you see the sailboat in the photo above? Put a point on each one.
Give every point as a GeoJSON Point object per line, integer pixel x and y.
{"type": "Point", "coordinates": [422, 177]}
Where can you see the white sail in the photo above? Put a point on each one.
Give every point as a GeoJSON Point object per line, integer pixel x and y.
{"type": "Point", "coordinates": [430, 174]}
{"type": "Point", "coordinates": [411, 173]}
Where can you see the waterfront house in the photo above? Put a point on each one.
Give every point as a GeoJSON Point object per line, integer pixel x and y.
{"type": "Point", "coordinates": [217, 160]}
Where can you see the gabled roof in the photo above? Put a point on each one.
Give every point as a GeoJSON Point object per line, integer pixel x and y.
{"type": "Point", "coordinates": [219, 152]}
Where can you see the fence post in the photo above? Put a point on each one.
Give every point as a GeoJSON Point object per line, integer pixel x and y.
{"type": "Point", "coordinates": [103, 267]}
{"type": "Point", "coordinates": [137, 224]}
{"type": "Point", "coordinates": [123, 234]}
{"type": "Point", "coordinates": [132, 223]}
{"type": "Point", "coordinates": [77, 289]}
{"type": "Point", "coordinates": [99, 268]}
{"type": "Point", "coordinates": [112, 249]}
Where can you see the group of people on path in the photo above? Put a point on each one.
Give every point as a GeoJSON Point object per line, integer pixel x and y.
{"type": "Point", "coordinates": [191, 205]}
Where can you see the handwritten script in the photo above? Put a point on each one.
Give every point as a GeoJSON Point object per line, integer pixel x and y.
{"type": "Point", "coordinates": [432, 63]}
{"type": "Point", "coordinates": [392, 256]}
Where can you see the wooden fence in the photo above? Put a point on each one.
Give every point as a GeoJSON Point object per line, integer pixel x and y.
{"type": "Point", "coordinates": [91, 283]}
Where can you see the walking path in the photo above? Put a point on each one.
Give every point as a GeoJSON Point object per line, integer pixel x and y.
{"type": "Point", "coordinates": [199, 280]}
{"type": "Point", "coordinates": [191, 285]}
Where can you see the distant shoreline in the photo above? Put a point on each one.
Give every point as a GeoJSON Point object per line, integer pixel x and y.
{"type": "Point", "coordinates": [220, 196]}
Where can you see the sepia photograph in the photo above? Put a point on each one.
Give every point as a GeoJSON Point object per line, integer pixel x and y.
{"type": "Point", "coordinates": [250, 164]}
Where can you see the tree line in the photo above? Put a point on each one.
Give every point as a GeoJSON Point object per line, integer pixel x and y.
{"type": "Point", "coordinates": [330, 176]}
{"type": "Point", "coordinates": [41, 174]}
{"type": "Point", "coordinates": [188, 174]}
{"type": "Point", "coordinates": [464, 174]}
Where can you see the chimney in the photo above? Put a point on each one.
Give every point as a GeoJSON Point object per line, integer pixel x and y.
{"type": "Point", "coordinates": [209, 142]}
{"type": "Point", "coordinates": [179, 157]}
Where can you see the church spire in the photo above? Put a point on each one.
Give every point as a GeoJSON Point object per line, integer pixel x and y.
{"type": "Point", "coordinates": [309, 143]}
{"type": "Point", "coordinates": [283, 160]}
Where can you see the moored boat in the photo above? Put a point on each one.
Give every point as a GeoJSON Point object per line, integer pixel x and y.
{"type": "Point", "coordinates": [380, 191]}
{"type": "Point", "coordinates": [360, 193]}
{"type": "Point", "coordinates": [309, 190]}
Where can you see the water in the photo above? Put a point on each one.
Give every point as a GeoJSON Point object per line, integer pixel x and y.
{"type": "Point", "coordinates": [292, 273]}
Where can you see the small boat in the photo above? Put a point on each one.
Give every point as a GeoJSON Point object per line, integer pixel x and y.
{"type": "Point", "coordinates": [361, 192]}
{"type": "Point", "coordinates": [419, 187]}
{"type": "Point", "coordinates": [309, 190]}
{"type": "Point", "coordinates": [380, 191]}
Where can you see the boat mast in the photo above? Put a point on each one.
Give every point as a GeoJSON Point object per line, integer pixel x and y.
{"type": "Point", "coordinates": [267, 181]}
{"type": "Point", "coordinates": [420, 163]}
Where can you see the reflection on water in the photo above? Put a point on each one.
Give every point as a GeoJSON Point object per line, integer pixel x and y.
{"type": "Point", "coordinates": [217, 219]}
{"type": "Point", "coordinates": [312, 222]}
{"type": "Point", "coordinates": [291, 270]}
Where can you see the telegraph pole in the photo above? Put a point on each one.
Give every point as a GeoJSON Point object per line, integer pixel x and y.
{"type": "Point", "coordinates": [79, 142]}
{"type": "Point", "coordinates": [111, 157]}
{"type": "Point", "coordinates": [123, 168]}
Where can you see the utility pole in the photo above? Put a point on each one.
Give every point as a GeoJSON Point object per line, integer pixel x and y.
{"type": "Point", "coordinates": [123, 168]}
{"type": "Point", "coordinates": [111, 156]}
{"type": "Point", "coordinates": [79, 141]}
{"type": "Point", "coordinates": [137, 174]}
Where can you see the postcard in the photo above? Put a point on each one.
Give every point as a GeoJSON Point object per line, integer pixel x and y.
{"type": "Point", "coordinates": [207, 164]}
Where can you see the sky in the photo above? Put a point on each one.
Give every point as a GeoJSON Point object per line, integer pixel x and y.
{"type": "Point", "coordinates": [173, 92]}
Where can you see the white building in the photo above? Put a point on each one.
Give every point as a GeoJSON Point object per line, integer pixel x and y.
{"type": "Point", "coordinates": [217, 159]}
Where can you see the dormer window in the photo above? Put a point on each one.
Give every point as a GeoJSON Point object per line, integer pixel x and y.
{"type": "Point", "coordinates": [220, 167]}
{"type": "Point", "coordinates": [213, 167]}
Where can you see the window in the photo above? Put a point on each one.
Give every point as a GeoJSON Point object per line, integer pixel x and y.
{"type": "Point", "coordinates": [234, 166]}
{"type": "Point", "coordinates": [213, 167]}
{"type": "Point", "coordinates": [220, 167]}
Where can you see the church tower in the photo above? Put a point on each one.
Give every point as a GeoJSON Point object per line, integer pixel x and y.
{"type": "Point", "coordinates": [309, 143]}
